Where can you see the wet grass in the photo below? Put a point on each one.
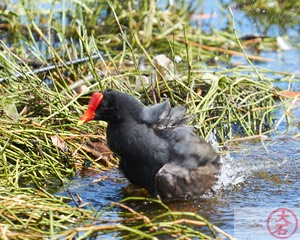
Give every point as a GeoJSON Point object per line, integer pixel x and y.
{"type": "Point", "coordinates": [44, 89]}
{"type": "Point", "coordinates": [27, 213]}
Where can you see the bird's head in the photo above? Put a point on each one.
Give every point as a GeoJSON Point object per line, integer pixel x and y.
{"type": "Point", "coordinates": [109, 106]}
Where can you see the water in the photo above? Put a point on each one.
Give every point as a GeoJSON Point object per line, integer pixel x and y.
{"type": "Point", "coordinates": [255, 178]}
{"type": "Point", "coordinates": [269, 179]}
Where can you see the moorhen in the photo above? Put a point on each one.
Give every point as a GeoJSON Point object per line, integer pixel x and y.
{"type": "Point", "coordinates": [157, 150]}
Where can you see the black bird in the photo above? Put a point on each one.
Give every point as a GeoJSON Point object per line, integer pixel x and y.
{"type": "Point", "coordinates": [157, 150]}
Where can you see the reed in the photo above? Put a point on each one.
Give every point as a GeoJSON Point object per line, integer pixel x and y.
{"type": "Point", "coordinates": [52, 59]}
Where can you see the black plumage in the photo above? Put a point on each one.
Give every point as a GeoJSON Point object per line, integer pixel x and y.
{"type": "Point", "coordinates": [157, 150]}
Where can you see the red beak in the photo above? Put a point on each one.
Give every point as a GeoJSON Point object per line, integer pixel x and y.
{"type": "Point", "coordinates": [90, 112]}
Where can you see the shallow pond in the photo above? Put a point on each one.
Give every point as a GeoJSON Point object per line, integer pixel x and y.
{"type": "Point", "coordinates": [256, 178]}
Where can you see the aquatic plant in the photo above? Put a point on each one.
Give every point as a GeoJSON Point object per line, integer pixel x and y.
{"type": "Point", "coordinates": [44, 89]}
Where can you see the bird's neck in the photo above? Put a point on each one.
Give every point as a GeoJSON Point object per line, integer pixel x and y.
{"type": "Point", "coordinates": [128, 109]}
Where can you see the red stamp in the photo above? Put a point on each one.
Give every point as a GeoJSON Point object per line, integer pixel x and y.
{"type": "Point", "coordinates": [282, 223]}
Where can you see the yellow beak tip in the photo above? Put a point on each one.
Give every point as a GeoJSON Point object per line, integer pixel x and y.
{"type": "Point", "coordinates": [80, 122]}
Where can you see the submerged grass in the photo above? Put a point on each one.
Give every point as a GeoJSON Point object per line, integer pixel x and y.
{"type": "Point", "coordinates": [44, 89]}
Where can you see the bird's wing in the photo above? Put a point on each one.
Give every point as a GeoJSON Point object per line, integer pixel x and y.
{"type": "Point", "coordinates": [187, 149]}
{"type": "Point", "coordinates": [152, 114]}
{"type": "Point", "coordinates": [192, 168]}
{"type": "Point", "coordinates": [163, 116]}
{"type": "Point", "coordinates": [175, 117]}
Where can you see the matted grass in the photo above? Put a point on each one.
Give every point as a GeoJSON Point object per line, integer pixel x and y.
{"type": "Point", "coordinates": [41, 145]}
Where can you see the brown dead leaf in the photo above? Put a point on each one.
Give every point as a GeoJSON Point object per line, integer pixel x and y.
{"type": "Point", "coordinates": [99, 150]}
{"type": "Point", "coordinates": [199, 92]}
{"type": "Point", "coordinates": [141, 82]}
{"type": "Point", "coordinates": [58, 142]}
{"type": "Point", "coordinates": [291, 94]}
{"type": "Point", "coordinates": [164, 64]}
